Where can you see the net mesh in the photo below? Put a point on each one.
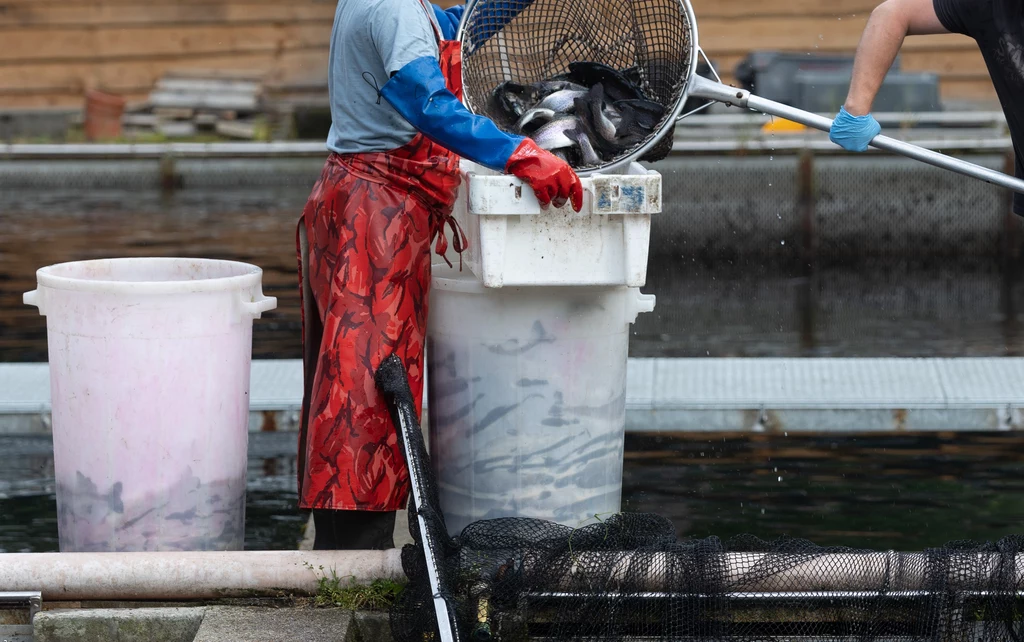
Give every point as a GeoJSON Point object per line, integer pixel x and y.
{"type": "Point", "coordinates": [530, 41]}
{"type": "Point", "coordinates": [630, 577]}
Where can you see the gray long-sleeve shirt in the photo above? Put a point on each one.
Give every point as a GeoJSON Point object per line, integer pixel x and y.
{"type": "Point", "coordinates": [370, 40]}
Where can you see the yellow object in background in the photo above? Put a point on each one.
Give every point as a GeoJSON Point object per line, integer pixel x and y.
{"type": "Point", "coordinates": [777, 124]}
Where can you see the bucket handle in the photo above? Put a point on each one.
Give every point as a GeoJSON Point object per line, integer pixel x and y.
{"type": "Point", "coordinates": [640, 303]}
{"type": "Point", "coordinates": [34, 298]}
{"type": "Point", "coordinates": [254, 309]}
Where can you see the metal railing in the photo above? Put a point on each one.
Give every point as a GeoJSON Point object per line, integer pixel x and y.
{"type": "Point", "coordinates": [957, 131]}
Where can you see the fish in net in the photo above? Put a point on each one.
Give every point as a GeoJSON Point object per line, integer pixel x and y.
{"type": "Point", "coordinates": [516, 53]}
{"type": "Point", "coordinates": [630, 577]}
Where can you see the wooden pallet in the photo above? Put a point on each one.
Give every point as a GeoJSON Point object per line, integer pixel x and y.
{"type": "Point", "coordinates": [187, 102]}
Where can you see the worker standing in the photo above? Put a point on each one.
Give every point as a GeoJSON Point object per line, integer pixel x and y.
{"type": "Point", "coordinates": [363, 242]}
{"type": "Point", "coordinates": [996, 25]}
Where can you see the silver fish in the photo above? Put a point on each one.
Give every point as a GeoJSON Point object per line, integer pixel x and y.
{"type": "Point", "coordinates": [551, 86]}
{"type": "Point", "coordinates": [534, 114]}
{"type": "Point", "coordinates": [561, 101]}
{"type": "Point", "coordinates": [602, 123]}
{"type": "Point", "coordinates": [497, 413]}
{"type": "Point", "coordinates": [590, 156]}
{"type": "Point", "coordinates": [554, 135]}
{"type": "Point", "coordinates": [87, 495]}
{"type": "Point", "coordinates": [511, 347]}
{"type": "Point", "coordinates": [525, 383]}
{"type": "Point", "coordinates": [614, 115]}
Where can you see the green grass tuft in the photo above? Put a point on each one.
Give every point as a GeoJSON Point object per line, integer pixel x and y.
{"type": "Point", "coordinates": [379, 595]}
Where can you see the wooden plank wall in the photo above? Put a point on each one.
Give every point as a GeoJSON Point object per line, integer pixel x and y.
{"type": "Point", "coordinates": [730, 29]}
{"type": "Point", "coordinates": [52, 50]}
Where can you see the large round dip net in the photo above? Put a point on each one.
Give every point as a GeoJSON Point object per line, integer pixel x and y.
{"type": "Point", "coordinates": [629, 577]}
{"type": "Point", "coordinates": [597, 82]}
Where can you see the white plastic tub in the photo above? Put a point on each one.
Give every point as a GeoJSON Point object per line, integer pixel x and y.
{"type": "Point", "coordinates": [512, 241]}
{"type": "Point", "coordinates": [527, 398]}
{"type": "Point", "coordinates": [149, 373]}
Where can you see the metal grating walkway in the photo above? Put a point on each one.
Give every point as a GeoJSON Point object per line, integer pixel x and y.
{"type": "Point", "coordinates": [696, 395]}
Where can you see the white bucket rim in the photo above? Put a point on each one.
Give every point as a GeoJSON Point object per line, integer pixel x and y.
{"type": "Point", "coordinates": [455, 281]}
{"type": "Point", "coordinates": [249, 278]}
{"type": "Point", "coordinates": [451, 280]}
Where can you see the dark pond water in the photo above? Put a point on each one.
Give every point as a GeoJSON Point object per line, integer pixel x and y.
{"type": "Point", "coordinates": [903, 492]}
{"type": "Point", "coordinates": [737, 307]}
{"type": "Point", "coordinates": [899, 491]}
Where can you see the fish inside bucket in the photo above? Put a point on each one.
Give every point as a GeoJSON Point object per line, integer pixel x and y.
{"type": "Point", "coordinates": [588, 116]}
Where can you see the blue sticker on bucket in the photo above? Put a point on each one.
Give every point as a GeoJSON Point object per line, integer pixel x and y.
{"type": "Point", "coordinates": [632, 198]}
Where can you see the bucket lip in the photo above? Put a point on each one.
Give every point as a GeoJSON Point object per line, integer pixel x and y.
{"type": "Point", "coordinates": [456, 282]}
{"type": "Point", "coordinates": [451, 280]}
{"type": "Point", "coordinates": [250, 278]}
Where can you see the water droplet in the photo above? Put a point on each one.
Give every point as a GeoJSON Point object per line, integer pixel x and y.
{"type": "Point", "coordinates": [776, 469]}
{"type": "Point", "coordinates": [780, 478]}
{"type": "Point", "coordinates": [771, 158]}
{"type": "Point", "coordinates": [821, 37]}
{"type": "Point", "coordinates": [785, 434]}
{"type": "Point", "coordinates": [783, 242]}
{"type": "Point", "coordinates": [762, 511]}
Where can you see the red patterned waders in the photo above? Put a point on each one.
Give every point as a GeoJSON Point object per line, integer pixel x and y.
{"type": "Point", "coordinates": [363, 244]}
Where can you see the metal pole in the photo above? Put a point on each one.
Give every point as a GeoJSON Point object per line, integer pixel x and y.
{"type": "Point", "coordinates": [701, 87]}
{"type": "Point", "coordinates": [393, 384]}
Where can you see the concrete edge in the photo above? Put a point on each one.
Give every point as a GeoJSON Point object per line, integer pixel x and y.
{"type": "Point", "coordinates": [816, 395]}
{"type": "Point", "coordinates": [170, 624]}
{"type": "Point", "coordinates": [210, 622]}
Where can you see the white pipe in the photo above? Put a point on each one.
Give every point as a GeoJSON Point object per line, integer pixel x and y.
{"type": "Point", "coordinates": [189, 575]}
{"type": "Point", "coordinates": [210, 575]}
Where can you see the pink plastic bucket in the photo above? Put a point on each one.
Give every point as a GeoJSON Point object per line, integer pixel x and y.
{"type": "Point", "coordinates": [149, 375]}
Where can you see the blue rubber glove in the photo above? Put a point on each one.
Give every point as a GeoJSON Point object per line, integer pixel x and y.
{"type": "Point", "coordinates": [418, 92]}
{"type": "Point", "coordinates": [853, 133]}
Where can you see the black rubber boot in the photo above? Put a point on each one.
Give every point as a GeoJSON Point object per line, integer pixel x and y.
{"type": "Point", "coordinates": [349, 530]}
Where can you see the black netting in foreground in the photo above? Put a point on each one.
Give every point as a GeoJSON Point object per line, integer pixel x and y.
{"type": "Point", "coordinates": [630, 577]}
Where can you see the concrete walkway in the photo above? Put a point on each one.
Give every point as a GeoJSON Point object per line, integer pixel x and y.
{"type": "Point", "coordinates": [211, 624]}
{"type": "Point", "coordinates": [783, 395]}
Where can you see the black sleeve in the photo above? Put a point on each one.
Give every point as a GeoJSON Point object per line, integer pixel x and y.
{"type": "Point", "coordinates": [956, 15]}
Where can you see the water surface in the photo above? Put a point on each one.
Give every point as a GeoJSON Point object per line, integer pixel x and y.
{"type": "Point", "coordinates": [893, 491]}
{"type": "Point", "coordinates": [738, 306]}
{"type": "Point", "coordinates": [905, 492]}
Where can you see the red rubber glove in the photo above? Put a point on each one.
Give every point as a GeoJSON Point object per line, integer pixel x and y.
{"type": "Point", "coordinates": [551, 178]}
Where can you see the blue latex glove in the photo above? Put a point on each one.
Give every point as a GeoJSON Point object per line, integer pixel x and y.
{"type": "Point", "coordinates": [417, 91]}
{"type": "Point", "coordinates": [853, 133]}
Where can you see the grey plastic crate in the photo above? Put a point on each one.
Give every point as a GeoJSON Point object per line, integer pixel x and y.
{"type": "Point", "coordinates": [771, 74]}
{"type": "Point", "coordinates": [825, 92]}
